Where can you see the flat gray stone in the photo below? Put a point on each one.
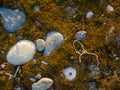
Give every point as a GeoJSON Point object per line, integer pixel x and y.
{"type": "Point", "coordinates": [12, 19]}
{"type": "Point", "coordinates": [42, 84]}
{"type": "Point", "coordinates": [22, 52]}
{"type": "Point", "coordinates": [53, 40]}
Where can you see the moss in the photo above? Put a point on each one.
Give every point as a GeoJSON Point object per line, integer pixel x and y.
{"type": "Point", "coordinates": [52, 16]}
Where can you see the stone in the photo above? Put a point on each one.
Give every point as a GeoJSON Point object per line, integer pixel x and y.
{"type": "Point", "coordinates": [38, 76]}
{"type": "Point", "coordinates": [89, 14]}
{"type": "Point", "coordinates": [19, 37]}
{"type": "Point", "coordinates": [110, 8]}
{"type": "Point", "coordinates": [22, 52]}
{"type": "Point", "coordinates": [80, 35]}
{"type": "Point", "coordinates": [43, 62]}
{"type": "Point", "coordinates": [53, 40]}
{"type": "Point", "coordinates": [40, 44]}
{"type": "Point", "coordinates": [42, 84]}
{"type": "Point", "coordinates": [70, 73]}
{"type": "Point", "coordinates": [32, 79]}
{"type": "Point", "coordinates": [37, 7]}
{"type": "Point", "coordinates": [13, 19]}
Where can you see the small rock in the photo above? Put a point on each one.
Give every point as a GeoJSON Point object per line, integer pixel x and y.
{"type": "Point", "coordinates": [42, 84]}
{"type": "Point", "coordinates": [22, 52]}
{"type": "Point", "coordinates": [19, 37]}
{"type": "Point", "coordinates": [37, 7]}
{"type": "Point", "coordinates": [38, 76]}
{"type": "Point", "coordinates": [110, 8]}
{"type": "Point", "coordinates": [89, 14]}
{"type": "Point", "coordinates": [70, 73]}
{"type": "Point", "coordinates": [12, 19]}
{"type": "Point", "coordinates": [80, 35]}
{"type": "Point", "coordinates": [43, 62]}
{"type": "Point", "coordinates": [53, 40]}
{"type": "Point", "coordinates": [32, 79]}
{"type": "Point", "coordinates": [40, 44]}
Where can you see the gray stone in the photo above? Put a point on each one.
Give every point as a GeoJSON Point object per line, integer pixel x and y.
{"type": "Point", "coordinates": [53, 40]}
{"type": "Point", "coordinates": [32, 79]}
{"type": "Point", "coordinates": [37, 7]}
{"type": "Point", "coordinates": [40, 44]}
{"type": "Point", "coordinates": [89, 14]}
{"type": "Point", "coordinates": [80, 35]}
{"type": "Point", "coordinates": [22, 52]}
{"type": "Point", "coordinates": [12, 19]}
{"type": "Point", "coordinates": [42, 84]}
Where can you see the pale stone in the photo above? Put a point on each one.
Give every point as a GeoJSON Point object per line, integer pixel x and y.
{"type": "Point", "coordinates": [40, 44]}
{"type": "Point", "coordinates": [42, 84]}
{"type": "Point", "coordinates": [22, 52]}
{"type": "Point", "coordinates": [89, 14]}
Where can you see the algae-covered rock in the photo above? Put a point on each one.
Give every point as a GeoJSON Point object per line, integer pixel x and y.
{"type": "Point", "coordinates": [12, 19]}
{"type": "Point", "coordinates": [22, 52]}
{"type": "Point", "coordinates": [53, 39]}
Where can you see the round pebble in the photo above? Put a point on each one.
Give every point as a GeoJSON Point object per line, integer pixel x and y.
{"type": "Point", "coordinates": [80, 35]}
{"type": "Point", "coordinates": [70, 73]}
{"type": "Point", "coordinates": [42, 84]}
{"type": "Point", "coordinates": [40, 44]}
{"type": "Point", "coordinates": [12, 19]}
{"type": "Point", "coordinates": [22, 52]}
{"type": "Point", "coordinates": [53, 40]}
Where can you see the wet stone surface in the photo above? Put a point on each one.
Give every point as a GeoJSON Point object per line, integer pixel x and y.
{"type": "Point", "coordinates": [13, 19]}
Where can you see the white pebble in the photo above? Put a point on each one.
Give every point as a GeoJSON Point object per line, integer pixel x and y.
{"type": "Point", "coordinates": [110, 8]}
{"type": "Point", "coordinates": [89, 14]}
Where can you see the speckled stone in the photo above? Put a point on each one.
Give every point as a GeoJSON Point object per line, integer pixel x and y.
{"type": "Point", "coordinates": [40, 44]}
{"type": "Point", "coordinates": [80, 35]}
{"type": "Point", "coordinates": [12, 19]}
{"type": "Point", "coordinates": [42, 84]}
{"type": "Point", "coordinates": [53, 40]}
{"type": "Point", "coordinates": [22, 52]}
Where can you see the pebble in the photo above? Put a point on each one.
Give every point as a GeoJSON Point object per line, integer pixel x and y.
{"type": "Point", "coordinates": [40, 44]}
{"type": "Point", "coordinates": [38, 76]}
{"type": "Point", "coordinates": [43, 62]}
{"type": "Point", "coordinates": [110, 8]}
{"type": "Point", "coordinates": [80, 35]}
{"type": "Point", "coordinates": [32, 79]}
{"type": "Point", "coordinates": [19, 37]}
{"type": "Point", "coordinates": [89, 14]}
{"type": "Point", "coordinates": [13, 19]}
{"type": "Point", "coordinates": [37, 7]}
{"type": "Point", "coordinates": [53, 40]}
{"type": "Point", "coordinates": [42, 84]}
{"type": "Point", "coordinates": [70, 73]}
{"type": "Point", "coordinates": [22, 52]}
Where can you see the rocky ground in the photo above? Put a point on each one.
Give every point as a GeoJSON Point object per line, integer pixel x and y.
{"type": "Point", "coordinates": [60, 44]}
